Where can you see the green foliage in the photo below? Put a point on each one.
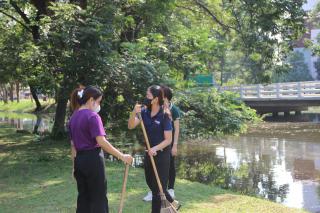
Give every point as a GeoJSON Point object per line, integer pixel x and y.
{"type": "Point", "coordinates": [12, 44]}
{"type": "Point", "coordinates": [130, 75]}
{"type": "Point", "coordinates": [265, 30]}
{"type": "Point", "coordinates": [208, 113]}
{"type": "Point", "coordinates": [74, 45]}
{"type": "Point", "coordinates": [125, 46]}
{"type": "Point", "coordinates": [205, 168]}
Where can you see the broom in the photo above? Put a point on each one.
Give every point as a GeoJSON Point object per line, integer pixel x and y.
{"type": "Point", "coordinates": [166, 206]}
{"type": "Point", "coordinates": [124, 184]}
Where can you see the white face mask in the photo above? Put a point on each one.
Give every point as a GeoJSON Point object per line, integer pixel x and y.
{"type": "Point", "coordinates": [97, 109]}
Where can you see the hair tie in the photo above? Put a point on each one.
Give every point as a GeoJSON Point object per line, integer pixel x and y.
{"type": "Point", "coordinates": [80, 93]}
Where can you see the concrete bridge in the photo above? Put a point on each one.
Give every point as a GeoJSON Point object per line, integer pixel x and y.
{"type": "Point", "coordinates": [279, 97]}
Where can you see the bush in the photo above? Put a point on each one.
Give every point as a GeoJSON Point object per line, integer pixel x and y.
{"type": "Point", "coordinates": [209, 113]}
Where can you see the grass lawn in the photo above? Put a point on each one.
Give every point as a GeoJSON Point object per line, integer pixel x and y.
{"type": "Point", "coordinates": [23, 106]}
{"type": "Point", "coordinates": [36, 177]}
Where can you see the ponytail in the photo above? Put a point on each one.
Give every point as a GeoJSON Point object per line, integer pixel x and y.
{"type": "Point", "coordinates": [75, 99]}
{"type": "Point", "coordinates": [157, 92]}
{"type": "Point", "coordinates": [80, 96]}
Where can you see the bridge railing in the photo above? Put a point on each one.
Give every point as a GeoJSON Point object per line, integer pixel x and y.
{"type": "Point", "coordinates": [292, 90]}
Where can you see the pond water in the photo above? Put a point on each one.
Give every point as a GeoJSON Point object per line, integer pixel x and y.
{"type": "Point", "coordinates": [276, 160]}
{"type": "Point", "coordinates": [38, 124]}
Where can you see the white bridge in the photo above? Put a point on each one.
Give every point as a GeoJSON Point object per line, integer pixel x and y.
{"type": "Point", "coordinates": [279, 97]}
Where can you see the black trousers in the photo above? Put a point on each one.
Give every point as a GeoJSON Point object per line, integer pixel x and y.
{"type": "Point", "coordinates": [162, 160]}
{"type": "Point", "coordinates": [172, 173]}
{"type": "Point", "coordinates": [90, 176]}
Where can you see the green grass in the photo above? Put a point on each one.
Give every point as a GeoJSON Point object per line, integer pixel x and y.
{"type": "Point", "coordinates": [23, 106]}
{"type": "Point", "coordinates": [36, 177]}
{"type": "Point", "coordinates": [18, 115]}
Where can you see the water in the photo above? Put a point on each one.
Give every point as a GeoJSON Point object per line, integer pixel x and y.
{"type": "Point", "coordinates": [277, 160]}
{"type": "Point", "coordinates": [37, 124]}
{"type": "Point", "coordinates": [281, 169]}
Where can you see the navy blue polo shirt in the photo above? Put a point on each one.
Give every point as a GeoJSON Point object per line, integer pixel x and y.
{"type": "Point", "coordinates": [156, 125]}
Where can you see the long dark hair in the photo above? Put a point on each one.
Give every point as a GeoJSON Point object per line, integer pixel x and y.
{"type": "Point", "coordinates": [167, 92]}
{"type": "Point", "coordinates": [157, 92]}
{"type": "Point", "coordinates": [89, 92]}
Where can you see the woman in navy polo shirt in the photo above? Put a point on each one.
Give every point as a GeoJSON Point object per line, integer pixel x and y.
{"type": "Point", "coordinates": [159, 130]}
{"type": "Point", "coordinates": [87, 139]}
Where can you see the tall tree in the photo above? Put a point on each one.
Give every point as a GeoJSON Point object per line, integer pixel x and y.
{"type": "Point", "coordinates": [17, 11]}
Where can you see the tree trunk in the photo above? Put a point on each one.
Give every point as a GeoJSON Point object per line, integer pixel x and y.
{"type": "Point", "coordinates": [18, 91]}
{"type": "Point", "coordinates": [36, 126]}
{"type": "Point", "coordinates": [41, 6]}
{"type": "Point", "coordinates": [58, 130]}
{"type": "Point", "coordinates": [1, 92]}
{"type": "Point", "coordinates": [63, 94]}
{"type": "Point", "coordinates": [5, 98]}
{"type": "Point", "coordinates": [20, 123]}
{"type": "Point", "coordinates": [11, 92]}
{"type": "Point", "coordinates": [56, 95]}
{"type": "Point", "coordinates": [35, 98]}
{"type": "Point", "coordinates": [222, 66]}
{"type": "Point", "coordinates": [186, 73]}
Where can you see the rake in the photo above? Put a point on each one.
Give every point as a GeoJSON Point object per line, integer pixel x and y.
{"type": "Point", "coordinates": [166, 206]}
{"type": "Point", "coordinates": [124, 184]}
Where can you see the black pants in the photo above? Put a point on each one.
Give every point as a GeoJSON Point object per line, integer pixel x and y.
{"type": "Point", "coordinates": [90, 176]}
{"type": "Point", "coordinates": [162, 160]}
{"type": "Point", "coordinates": [172, 173]}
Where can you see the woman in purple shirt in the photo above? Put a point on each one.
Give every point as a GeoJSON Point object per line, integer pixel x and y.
{"type": "Point", "coordinates": [88, 137]}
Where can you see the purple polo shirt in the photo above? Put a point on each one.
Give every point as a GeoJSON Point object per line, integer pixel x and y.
{"type": "Point", "coordinates": [84, 126]}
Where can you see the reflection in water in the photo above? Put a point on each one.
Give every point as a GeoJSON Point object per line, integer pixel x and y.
{"type": "Point", "coordinates": [307, 117]}
{"type": "Point", "coordinates": [37, 124]}
{"type": "Point", "coordinates": [286, 171]}
{"type": "Point", "coordinates": [248, 174]}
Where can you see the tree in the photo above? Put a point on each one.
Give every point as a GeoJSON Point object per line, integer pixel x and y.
{"type": "Point", "coordinates": [266, 29]}
{"type": "Point", "coordinates": [16, 10]}
{"type": "Point", "coordinates": [11, 46]}
{"type": "Point", "coordinates": [296, 70]}
{"type": "Point", "coordinates": [124, 46]}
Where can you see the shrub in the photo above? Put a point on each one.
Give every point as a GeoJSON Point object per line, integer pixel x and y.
{"type": "Point", "coordinates": [207, 112]}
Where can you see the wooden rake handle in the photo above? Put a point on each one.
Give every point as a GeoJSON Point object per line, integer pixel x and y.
{"type": "Point", "coordinates": [124, 184]}
{"type": "Point", "coordinates": [151, 157]}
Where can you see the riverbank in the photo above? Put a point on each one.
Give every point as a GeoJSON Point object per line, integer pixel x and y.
{"type": "Point", "coordinates": [27, 106]}
{"type": "Point", "coordinates": [36, 177]}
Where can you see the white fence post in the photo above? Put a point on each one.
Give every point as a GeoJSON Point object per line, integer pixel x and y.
{"type": "Point", "coordinates": [241, 91]}
{"type": "Point", "coordinates": [299, 90]}
{"type": "Point", "coordinates": [278, 90]}
{"type": "Point", "coordinates": [259, 90]}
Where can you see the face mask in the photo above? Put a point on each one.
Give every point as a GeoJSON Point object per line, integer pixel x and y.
{"type": "Point", "coordinates": [97, 109]}
{"type": "Point", "coordinates": [147, 102]}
